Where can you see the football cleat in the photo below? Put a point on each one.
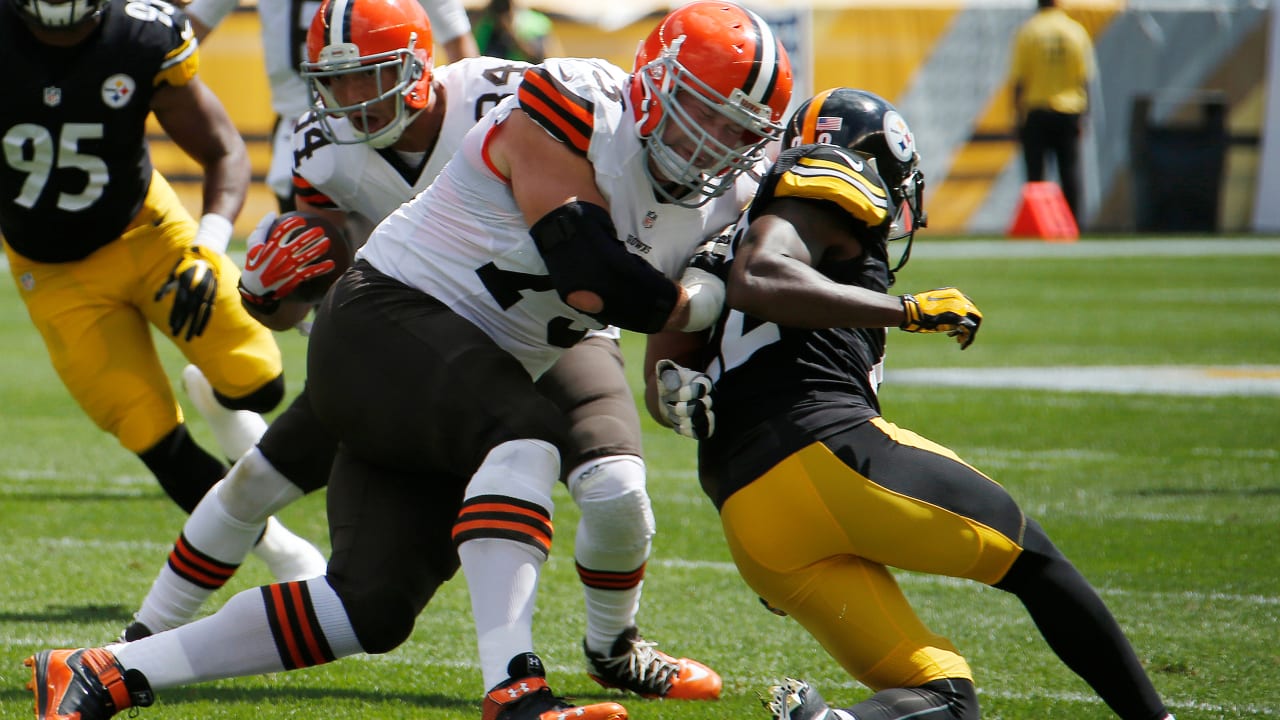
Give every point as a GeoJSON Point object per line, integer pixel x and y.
{"type": "Point", "coordinates": [796, 700]}
{"type": "Point", "coordinates": [526, 696]}
{"type": "Point", "coordinates": [84, 684]}
{"type": "Point", "coordinates": [637, 665]}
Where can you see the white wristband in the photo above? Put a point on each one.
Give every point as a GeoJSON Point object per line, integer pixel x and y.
{"type": "Point", "coordinates": [214, 233]}
{"type": "Point", "coordinates": [706, 298]}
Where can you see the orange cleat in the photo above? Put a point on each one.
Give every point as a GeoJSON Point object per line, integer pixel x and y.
{"type": "Point", "coordinates": [84, 684]}
{"type": "Point", "coordinates": [526, 696]}
{"type": "Point", "coordinates": [637, 665]}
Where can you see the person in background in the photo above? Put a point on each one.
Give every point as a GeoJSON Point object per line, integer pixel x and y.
{"type": "Point", "coordinates": [1050, 74]}
{"type": "Point", "coordinates": [100, 247]}
{"type": "Point", "coordinates": [819, 495]}
{"type": "Point", "coordinates": [516, 33]}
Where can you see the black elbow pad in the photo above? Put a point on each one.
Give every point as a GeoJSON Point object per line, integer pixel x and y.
{"type": "Point", "coordinates": [581, 249]}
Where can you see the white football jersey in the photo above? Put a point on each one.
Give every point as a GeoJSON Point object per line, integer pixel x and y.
{"type": "Point", "coordinates": [367, 183]}
{"type": "Point", "coordinates": [465, 242]}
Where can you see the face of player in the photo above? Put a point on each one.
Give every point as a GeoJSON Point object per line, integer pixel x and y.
{"type": "Point", "coordinates": [363, 90]}
{"type": "Point", "coordinates": [718, 134]}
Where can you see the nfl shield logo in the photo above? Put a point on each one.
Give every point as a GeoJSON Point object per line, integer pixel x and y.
{"type": "Point", "coordinates": [649, 219]}
{"type": "Point", "coordinates": [53, 96]}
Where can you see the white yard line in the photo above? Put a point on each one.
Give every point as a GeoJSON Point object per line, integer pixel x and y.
{"type": "Point", "coordinates": [1134, 379]}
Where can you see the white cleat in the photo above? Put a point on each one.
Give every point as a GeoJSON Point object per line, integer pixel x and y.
{"type": "Point", "coordinates": [235, 430]}
{"type": "Point", "coordinates": [289, 557]}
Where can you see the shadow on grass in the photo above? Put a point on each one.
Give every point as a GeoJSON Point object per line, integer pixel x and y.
{"type": "Point", "coordinates": [122, 495]}
{"type": "Point", "coordinates": [71, 614]}
{"type": "Point", "coordinates": [1208, 492]}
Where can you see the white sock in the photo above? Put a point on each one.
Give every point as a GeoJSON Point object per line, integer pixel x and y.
{"type": "Point", "coordinates": [502, 577]}
{"type": "Point", "coordinates": [609, 613]}
{"type": "Point", "coordinates": [210, 531]}
{"type": "Point", "coordinates": [234, 642]}
{"type": "Point", "coordinates": [235, 430]}
{"type": "Point", "coordinates": [502, 573]}
{"type": "Point", "coordinates": [614, 535]}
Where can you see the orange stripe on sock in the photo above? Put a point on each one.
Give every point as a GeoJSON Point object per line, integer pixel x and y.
{"type": "Point", "coordinates": [504, 508]}
{"type": "Point", "coordinates": [286, 630]}
{"type": "Point", "coordinates": [609, 580]}
{"type": "Point", "coordinates": [308, 631]}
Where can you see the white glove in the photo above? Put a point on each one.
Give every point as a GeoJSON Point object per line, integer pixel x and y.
{"type": "Point", "coordinates": [684, 399]}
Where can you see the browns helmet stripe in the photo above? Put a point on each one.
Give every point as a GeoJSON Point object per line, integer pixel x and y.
{"type": "Point", "coordinates": [339, 30]}
{"type": "Point", "coordinates": [761, 87]}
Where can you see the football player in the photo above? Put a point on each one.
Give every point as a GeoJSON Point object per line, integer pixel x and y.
{"type": "Point", "coordinates": [283, 25]}
{"type": "Point", "coordinates": [357, 161]}
{"type": "Point", "coordinates": [427, 377]}
{"type": "Point", "coordinates": [100, 247]}
{"type": "Point", "coordinates": [818, 494]}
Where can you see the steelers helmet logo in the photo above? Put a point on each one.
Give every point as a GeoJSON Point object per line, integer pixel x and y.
{"type": "Point", "coordinates": [898, 136]}
{"type": "Point", "coordinates": [117, 91]}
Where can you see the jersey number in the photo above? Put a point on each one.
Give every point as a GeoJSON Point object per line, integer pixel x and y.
{"type": "Point", "coordinates": [505, 287]}
{"type": "Point", "coordinates": [32, 150]}
{"type": "Point", "coordinates": [742, 336]}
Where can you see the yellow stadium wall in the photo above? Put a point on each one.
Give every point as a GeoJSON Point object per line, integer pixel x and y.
{"type": "Point", "coordinates": [880, 48]}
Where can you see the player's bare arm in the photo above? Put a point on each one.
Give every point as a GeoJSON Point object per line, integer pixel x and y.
{"type": "Point", "coordinates": [196, 121]}
{"type": "Point", "coordinates": [773, 276]}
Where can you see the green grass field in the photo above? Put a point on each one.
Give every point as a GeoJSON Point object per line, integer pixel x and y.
{"type": "Point", "coordinates": [1170, 504]}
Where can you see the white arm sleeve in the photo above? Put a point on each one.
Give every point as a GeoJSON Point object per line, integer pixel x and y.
{"type": "Point", "coordinates": [210, 12]}
{"type": "Point", "coordinates": [448, 18]}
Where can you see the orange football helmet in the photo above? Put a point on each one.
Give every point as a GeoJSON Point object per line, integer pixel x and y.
{"type": "Point", "coordinates": [726, 59]}
{"type": "Point", "coordinates": [348, 37]}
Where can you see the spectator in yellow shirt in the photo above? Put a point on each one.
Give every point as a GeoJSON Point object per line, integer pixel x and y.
{"type": "Point", "coordinates": [1050, 74]}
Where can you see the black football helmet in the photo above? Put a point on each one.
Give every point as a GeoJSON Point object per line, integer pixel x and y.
{"type": "Point", "coordinates": [869, 125]}
{"type": "Point", "coordinates": [59, 15]}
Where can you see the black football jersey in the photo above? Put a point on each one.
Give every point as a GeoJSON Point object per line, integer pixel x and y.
{"type": "Point", "coordinates": [824, 379]}
{"type": "Point", "coordinates": [75, 167]}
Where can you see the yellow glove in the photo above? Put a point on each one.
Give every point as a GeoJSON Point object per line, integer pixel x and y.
{"type": "Point", "coordinates": [942, 310]}
{"type": "Point", "coordinates": [194, 284]}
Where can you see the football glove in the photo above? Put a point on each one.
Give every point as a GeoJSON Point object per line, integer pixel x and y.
{"type": "Point", "coordinates": [684, 399]}
{"type": "Point", "coordinates": [194, 284]}
{"type": "Point", "coordinates": [282, 256]}
{"type": "Point", "coordinates": [942, 310]}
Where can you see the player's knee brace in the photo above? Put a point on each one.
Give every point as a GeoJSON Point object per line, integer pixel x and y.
{"type": "Point", "coordinates": [617, 522]}
{"type": "Point", "coordinates": [254, 490]}
{"type": "Point", "coordinates": [509, 496]}
{"type": "Point", "coordinates": [264, 399]}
